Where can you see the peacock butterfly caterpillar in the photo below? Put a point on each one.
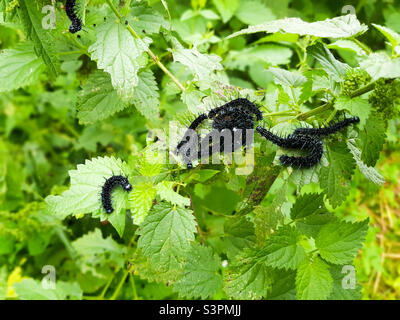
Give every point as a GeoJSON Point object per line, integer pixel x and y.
{"type": "Point", "coordinates": [108, 187]}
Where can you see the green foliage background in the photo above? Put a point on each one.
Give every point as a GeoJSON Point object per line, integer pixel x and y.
{"type": "Point", "coordinates": [74, 110]}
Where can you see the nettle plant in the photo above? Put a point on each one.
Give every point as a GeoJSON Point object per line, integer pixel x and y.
{"type": "Point", "coordinates": [209, 232]}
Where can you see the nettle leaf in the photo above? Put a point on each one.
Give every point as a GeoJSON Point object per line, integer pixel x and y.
{"type": "Point", "coordinates": [117, 52]}
{"type": "Point", "coordinates": [19, 67]}
{"type": "Point", "coordinates": [267, 218]}
{"type": "Point", "coordinates": [339, 27]}
{"type": "Point", "coordinates": [345, 285]}
{"type": "Point", "coordinates": [307, 205]}
{"type": "Point", "coordinates": [143, 18]}
{"type": "Point", "coordinates": [355, 106]}
{"type": "Point", "coordinates": [339, 242]}
{"type": "Point", "coordinates": [369, 172]}
{"type": "Point", "coordinates": [289, 78]}
{"type": "Point", "coordinates": [201, 65]}
{"type": "Point", "coordinates": [30, 289]}
{"type": "Point", "coordinates": [166, 235]}
{"type": "Point", "coordinates": [284, 286]}
{"type": "Point", "coordinates": [347, 45]}
{"type": "Point", "coordinates": [93, 249]}
{"type": "Point", "coordinates": [226, 8]}
{"type": "Point", "coordinates": [380, 65]}
{"type": "Point", "coordinates": [200, 277]}
{"type": "Point", "coordinates": [253, 12]}
{"type": "Point", "coordinates": [146, 97]}
{"type": "Point", "coordinates": [84, 194]}
{"type": "Point", "coordinates": [313, 280]}
{"type": "Point", "coordinates": [311, 225]}
{"type": "Point", "coordinates": [334, 179]}
{"type": "Point", "coordinates": [166, 192]}
{"type": "Point", "coordinates": [141, 200]}
{"type": "Point", "coordinates": [31, 17]}
{"type": "Point", "coordinates": [371, 139]}
{"type": "Point", "coordinates": [283, 250]}
{"type": "Point", "coordinates": [392, 36]}
{"type": "Point", "coordinates": [98, 99]}
{"type": "Point", "coordinates": [336, 69]}
{"type": "Point", "coordinates": [247, 277]}
{"type": "Point", "coordinates": [239, 234]}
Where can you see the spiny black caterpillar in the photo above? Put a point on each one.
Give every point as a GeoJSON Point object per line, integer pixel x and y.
{"type": "Point", "coordinates": [328, 130]}
{"type": "Point", "coordinates": [234, 115]}
{"type": "Point", "coordinates": [108, 187]}
{"type": "Point", "coordinates": [308, 139]}
{"type": "Point", "coordinates": [298, 142]}
{"type": "Point", "coordinates": [76, 23]}
{"type": "Point", "coordinates": [239, 114]}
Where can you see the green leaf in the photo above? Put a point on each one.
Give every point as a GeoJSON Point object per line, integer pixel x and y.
{"type": "Point", "coordinates": [84, 194]}
{"type": "Point", "coordinates": [166, 235]}
{"type": "Point", "coordinates": [201, 65]}
{"type": "Point", "coordinates": [98, 99]}
{"type": "Point", "coordinates": [239, 234]}
{"type": "Point", "coordinates": [347, 45]}
{"type": "Point", "coordinates": [371, 139]}
{"type": "Point", "coordinates": [31, 17]}
{"type": "Point", "coordinates": [253, 12]}
{"type": "Point", "coordinates": [283, 250]}
{"type": "Point", "coordinates": [369, 172]}
{"type": "Point", "coordinates": [380, 65]}
{"type": "Point", "coordinates": [307, 205]}
{"type": "Point", "coordinates": [289, 78]}
{"type": "Point", "coordinates": [200, 277]}
{"type": "Point", "coordinates": [339, 242]}
{"type": "Point", "coordinates": [30, 289]}
{"type": "Point", "coordinates": [117, 52]}
{"type": "Point", "coordinates": [19, 67]}
{"type": "Point", "coordinates": [141, 200]}
{"type": "Point", "coordinates": [342, 290]}
{"type": "Point", "coordinates": [226, 8]}
{"type": "Point", "coordinates": [311, 225]}
{"type": "Point", "coordinates": [146, 97]}
{"type": "Point", "coordinates": [336, 69]}
{"type": "Point", "coordinates": [355, 106]}
{"type": "Point", "coordinates": [247, 277]}
{"type": "Point", "coordinates": [339, 27]}
{"type": "Point", "coordinates": [313, 280]}
{"type": "Point", "coordinates": [143, 18]}
{"type": "Point", "coordinates": [392, 36]}
{"type": "Point", "coordinates": [166, 192]}
{"type": "Point", "coordinates": [334, 179]}
{"type": "Point", "coordinates": [284, 286]}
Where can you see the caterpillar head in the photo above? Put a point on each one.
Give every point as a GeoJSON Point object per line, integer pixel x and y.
{"type": "Point", "coordinates": [127, 187]}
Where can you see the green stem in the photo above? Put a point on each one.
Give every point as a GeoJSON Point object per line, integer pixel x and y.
{"type": "Point", "coordinates": [151, 54]}
{"type": "Point", "coordinates": [120, 284]}
{"type": "Point", "coordinates": [302, 116]}
{"type": "Point", "coordinates": [363, 46]}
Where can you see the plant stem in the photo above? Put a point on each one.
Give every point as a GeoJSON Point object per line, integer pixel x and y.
{"type": "Point", "coordinates": [151, 54]}
{"type": "Point", "coordinates": [359, 92]}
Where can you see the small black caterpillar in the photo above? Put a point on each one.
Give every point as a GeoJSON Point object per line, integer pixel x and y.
{"type": "Point", "coordinates": [108, 187]}
{"type": "Point", "coordinates": [325, 131]}
{"type": "Point", "coordinates": [76, 23]}
{"type": "Point", "coordinates": [233, 115]}
{"type": "Point", "coordinates": [298, 142]}
{"type": "Point", "coordinates": [308, 139]}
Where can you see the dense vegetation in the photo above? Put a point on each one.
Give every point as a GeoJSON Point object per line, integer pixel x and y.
{"type": "Point", "coordinates": [76, 109]}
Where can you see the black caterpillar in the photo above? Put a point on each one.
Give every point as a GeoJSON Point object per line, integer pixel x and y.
{"type": "Point", "coordinates": [308, 139]}
{"type": "Point", "coordinates": [326, 131]}
{"type": "Point", "coordinates": [108, 187]}
{"type": "Point", "coordinates": [76, 23]}
{"type": "Point", "coordinates": [236, 114]}
{"type": "Point", "coordinates": [299, 142]}
{"type": "Point", "coordinates": [239, 114]}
